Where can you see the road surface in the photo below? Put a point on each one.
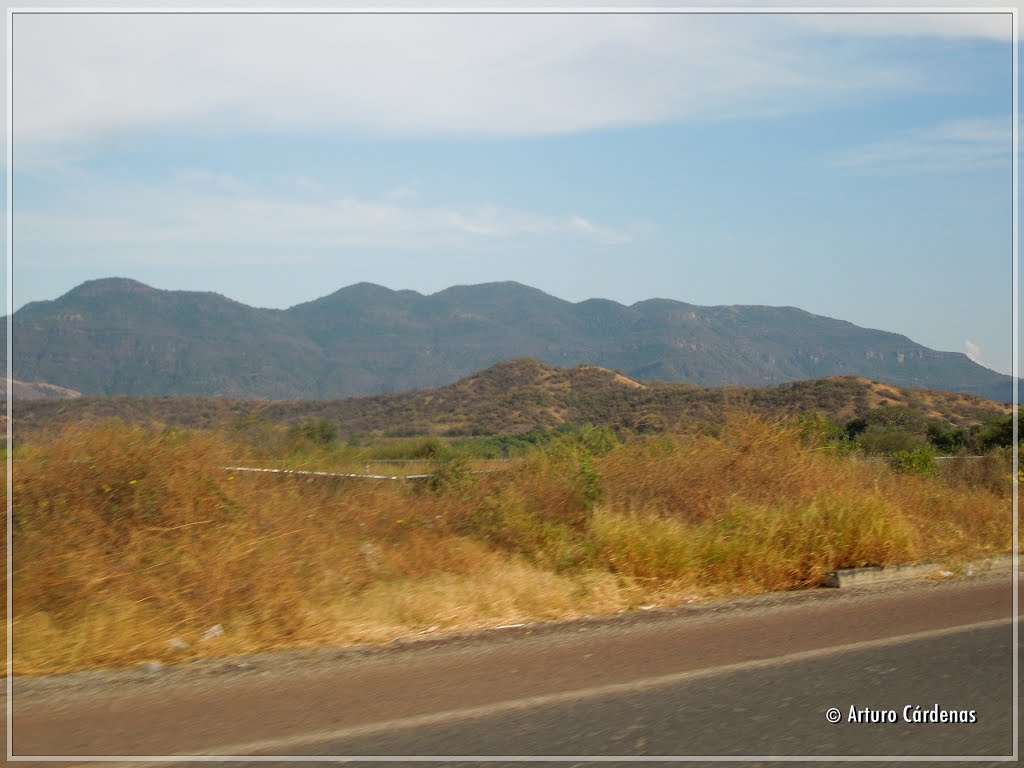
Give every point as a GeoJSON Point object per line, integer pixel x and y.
{"type": "Point", "coordinates": [748, 677]}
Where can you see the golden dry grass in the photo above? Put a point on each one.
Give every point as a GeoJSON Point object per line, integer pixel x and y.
{"type": "Point", "coordinates": [126, 539]}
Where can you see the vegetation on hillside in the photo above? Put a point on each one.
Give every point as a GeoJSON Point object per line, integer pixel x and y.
{"type": "Point", "coordinates": [522, 396]}
{"type": "Point", "coordinates": [131, 542]}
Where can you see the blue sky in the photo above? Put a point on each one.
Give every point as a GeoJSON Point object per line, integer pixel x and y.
{"type": "Point", "coordinates": [854, 166]}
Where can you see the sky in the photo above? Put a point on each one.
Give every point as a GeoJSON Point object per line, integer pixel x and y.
{"type": "Point", "coordinates": [856, 166]}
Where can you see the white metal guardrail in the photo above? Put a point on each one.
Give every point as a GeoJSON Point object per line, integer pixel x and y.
{"type": "Point", "coordinates": [316, 473]}
{"type": "Point", "coordinates": [368, 476]}
{"type": "Point", "coordinates": [937, 458]}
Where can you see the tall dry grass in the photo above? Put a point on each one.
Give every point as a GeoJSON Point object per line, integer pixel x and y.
{"type": "Point", "coordinates": [127, 539]}
{"type": "Point", "coordinates": [760, 507]}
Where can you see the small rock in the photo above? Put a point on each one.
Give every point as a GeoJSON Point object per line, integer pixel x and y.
{"type": "Point", "coordinates": [648, 607]}
{"type": "Point", "coordinates": [370, 553]}
{"type": "Point", "coordinates": [153, 666]}
{"type": "Point", "coordinates": [970, 570]}
{"type": "Point", "coordinates": [177, 644]}
{"type": "Point", "coordinates": [945, 574]}
{"type": "Point", "coordinates": [212, 633]}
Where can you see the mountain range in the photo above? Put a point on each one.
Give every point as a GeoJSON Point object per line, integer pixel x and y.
{"type": "Point", "coordinates": [119, 336]}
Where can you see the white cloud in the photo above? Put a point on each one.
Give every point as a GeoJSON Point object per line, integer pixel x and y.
{"type": "Point", "coordinates": [202, 210]}
{"type": "Point", "coordinates": [959, 145]}
{"type": "Point", "coordinates": [589, 229]}
{"type": "Point", "coordinates": [83, 77]}
{"type": "Point", "coordinates": [973, 351]}
{"type": "Point", "coordinates": [203, 177]}
{"type": "Point", "coordinates": [404, 192]}
{"type": "Point", "coordinates": [303, 184]}
{"type": "Point", "coordinates": [985, 26]}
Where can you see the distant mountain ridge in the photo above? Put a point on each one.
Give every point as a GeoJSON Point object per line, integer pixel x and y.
{"type": "Point", "coordinates": [119, 336]}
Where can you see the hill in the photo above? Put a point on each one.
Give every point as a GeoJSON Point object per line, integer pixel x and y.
{"type": "Point", "coordinates": [118, 336]}
{"type": "Point", "coordinates": [521, 395]}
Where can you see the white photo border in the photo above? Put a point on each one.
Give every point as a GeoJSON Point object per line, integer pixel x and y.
{"type": "Point", "coordinates": [654, 10]}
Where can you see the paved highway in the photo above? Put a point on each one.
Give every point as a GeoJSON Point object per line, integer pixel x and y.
{"type": "Point", "coordinates": [752, 677]}
{"type": "Point", "coordinates": [777, 709]}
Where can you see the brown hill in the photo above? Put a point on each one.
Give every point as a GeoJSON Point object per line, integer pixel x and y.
{"type": "Point", "coordinates": [520, 395]}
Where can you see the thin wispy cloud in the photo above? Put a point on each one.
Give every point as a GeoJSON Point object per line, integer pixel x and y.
{"type": "Point", "coordinates": [403, 192]}
{"type": "Point", "coordinates": [200, 209]}
{"type": "Point", "coordinates": [203, 177]}
{"type": "Point", "coordinates": [406, 75]}
{"type": "Point", "coordinates": [973, 351]}
{"type": "Point", "coordinates": [594, 232]}
{"type": "Point", "coordinates": [958, 145]}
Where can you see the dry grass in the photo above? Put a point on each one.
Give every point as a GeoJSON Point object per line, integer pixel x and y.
{"type": "Point", "coordinates": [760, 508]}
{"type": "Point", "coordinates": [126, 539]}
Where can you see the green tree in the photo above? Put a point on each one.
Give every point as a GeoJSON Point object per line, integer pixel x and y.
{"type": "Point", "coordinates": [997, 433]}
{"type": "Point", "coordinates": [945, 439]}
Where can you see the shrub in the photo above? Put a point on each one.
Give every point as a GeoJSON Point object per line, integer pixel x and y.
{"type": "Point", "coordinates": [317, 432]}
{"type": "Point", "coordinates": [919, 461]}
{"type": "Point", "coordinates": [879, 440]}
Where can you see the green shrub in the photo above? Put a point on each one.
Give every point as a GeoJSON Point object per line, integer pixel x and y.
{"type": "Point", "coordinates": [881, 440]}
{"type": "Point", "coordinates": [919, 461]}
{"type": "Point", "coordinates": [318, 432]}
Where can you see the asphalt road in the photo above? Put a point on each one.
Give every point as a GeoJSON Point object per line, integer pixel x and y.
{"type": "Point", "coordinates": [774, 710]}
{"type": "Point", "coordinates": [750, 678]}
